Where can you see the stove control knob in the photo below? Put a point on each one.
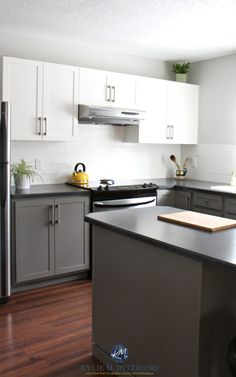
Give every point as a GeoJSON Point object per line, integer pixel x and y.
{"type": "Point", "coordinates": [107, 188]}
{"type": "Point", "coordinates": [144, 185]}
{"type": "Point", "coordinates": [150, 184]}
{"type": "Point", "coordinates": [100, 188]}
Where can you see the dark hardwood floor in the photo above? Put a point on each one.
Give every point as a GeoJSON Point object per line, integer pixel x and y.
{"type": "Point", "coordinates": [47, 332]}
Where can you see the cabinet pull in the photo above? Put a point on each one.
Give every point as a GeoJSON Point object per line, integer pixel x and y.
{"type": "Point", "coordinates": [167, 132]}
{"type": "Point", "coordinates": [108, 93]}
{"type": "Point", "coordinates": [114, 93]}
{"type": "Point", "coordinates": [46, 126]}
{"type": "Point", "coordinates": [172, 132]}
{"type": "Point", "coordinates": [52, 214]}
{"type": "Point", "coordinates": [39, 131]}
{"type": "Point", "coordinates": [58, 212]}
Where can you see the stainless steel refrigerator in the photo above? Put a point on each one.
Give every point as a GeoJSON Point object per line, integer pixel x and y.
{"type": "Point", "coordinates": [5, 280]}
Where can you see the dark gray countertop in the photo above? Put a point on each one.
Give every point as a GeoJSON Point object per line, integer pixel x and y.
{"type": "Point", "coordinates": [170, 183]}
{"type": "Point", "coordinates": [163, 183]}
{"type": "Point", "coordinates": [142, 223]}
{"type": "Point", "coordinates": [47, 190]}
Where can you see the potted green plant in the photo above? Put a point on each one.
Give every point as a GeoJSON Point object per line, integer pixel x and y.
{"type": "Point", "coordinates": [181, 70]}
{"type": "Point", "coordinates": [23, 174]}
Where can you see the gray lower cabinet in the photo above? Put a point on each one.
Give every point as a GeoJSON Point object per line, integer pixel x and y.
{"type": "Point", "coordinates": [183, 199]}
{"type": "Point", "coordinates": [165, 197]}
{"type": "Point", "coordinates": [210, 204]}
{"type": "Point", "coordinates": [34, 239]}
{"type": "Point", "coordinates": [230, 208]}
{"type": "Point", "coordinates": [50, 237]}
{"type": "Point", "coordinates": [71, 235]}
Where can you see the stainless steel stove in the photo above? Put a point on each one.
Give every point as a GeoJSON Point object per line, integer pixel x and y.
{"type": "Point", "coordinates": [107, 196]}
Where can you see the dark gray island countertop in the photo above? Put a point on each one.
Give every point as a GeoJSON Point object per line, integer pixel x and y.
{"type": "Point", "coordinates": [61, 189]}
{"type": "Point", "coordinates": [143, 224]}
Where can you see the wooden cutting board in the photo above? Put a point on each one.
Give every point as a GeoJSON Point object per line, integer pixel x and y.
{"type": "Point", "coordinates": [198, 220]}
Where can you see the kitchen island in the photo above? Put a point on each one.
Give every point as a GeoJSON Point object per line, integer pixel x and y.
{"type": "Point", "coordinates": [165, 291]}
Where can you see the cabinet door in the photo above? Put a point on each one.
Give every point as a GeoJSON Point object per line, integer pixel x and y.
{"type": "Point", "coordinates": [151, 95]}
{"type": "Point", "coordinates": [123, 91]}
{"type": "Point", "coordinates": [71, 235]}
{"type": "Point", "coordinates": [33, 244]}
{"type": "Point", "coordinates": [183, 199]}
{"type": "Point", "coordinates": [93, 88]}
{"type": "Point", "coordinates": [230, 208]}
{"type": "Point", "coordinates": [165, 198]}
{"type": "Point", "coordinates": [22, 86]}
{"type": "Point", "coordinates": [182, 113]}
{"type": "Point", "coordinates": [60, 102]}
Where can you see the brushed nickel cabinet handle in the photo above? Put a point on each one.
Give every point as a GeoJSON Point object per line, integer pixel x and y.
{"type": "Point", "coordinates": [39, 131]}
{"type": "Point", "coordinates": [58, 212]}
{"type": "Point", "coordinates": [108, 93]}
{"type": "Point", "coordinates": [114, 93]}
{"type": "Point", "coordinates": [167, 132]}
{"type": "Point", "coordinates": [172, 132]}
{"type": "Point", "coordinates": [52, 214]}
{"type": "Point", "coordinates": [46, 126]}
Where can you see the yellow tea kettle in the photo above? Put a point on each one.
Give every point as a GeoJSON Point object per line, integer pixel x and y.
{"type": "Point", "coordinates": [80, 177]}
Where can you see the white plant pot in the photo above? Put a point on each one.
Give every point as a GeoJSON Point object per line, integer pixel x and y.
{"type": "Point", "coordinates": [22, 183]}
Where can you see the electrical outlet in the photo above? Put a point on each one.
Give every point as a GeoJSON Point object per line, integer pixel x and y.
{"type": "Point", "coordinates": [39, 164]}
{"type": "Point", "coordinates": [194, 162]}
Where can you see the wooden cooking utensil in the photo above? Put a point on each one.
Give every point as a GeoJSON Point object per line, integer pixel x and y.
{"type": "Point", "coordinates": [173, 158]}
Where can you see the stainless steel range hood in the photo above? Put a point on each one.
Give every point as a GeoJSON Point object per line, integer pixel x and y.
{"type": "Point", "coordinates": [109, 115]}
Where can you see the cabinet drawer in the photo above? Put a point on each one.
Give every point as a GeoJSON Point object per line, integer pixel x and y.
{"type": "Point", "coordinates": [207, 211]}
{"type": "Point", "coordinates": [207, 201]}
{"type": "Point", "coordinates": [230, 206]}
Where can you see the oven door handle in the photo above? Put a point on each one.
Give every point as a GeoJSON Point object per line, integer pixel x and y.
{"type": "Point", "coordinates": [126, 203]}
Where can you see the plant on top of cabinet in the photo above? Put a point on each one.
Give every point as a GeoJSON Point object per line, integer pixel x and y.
{"type": "Point", "coordinates": [181, 70]}
{"type": "Point", "coordinates": [23, 174]}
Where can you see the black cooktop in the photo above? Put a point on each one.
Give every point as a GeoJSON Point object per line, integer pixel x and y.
{"type": "Point", "coordinates": [105, 191]}
{"type": "Point", "coordinates": [106, 187]}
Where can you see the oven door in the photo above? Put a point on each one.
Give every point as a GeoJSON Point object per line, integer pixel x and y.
{"type": "Point", "coordinates": [109, 205]}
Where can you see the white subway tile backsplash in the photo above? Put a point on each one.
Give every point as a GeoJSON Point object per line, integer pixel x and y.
{"type": "Point", "coordinates": [104, 153]}
{"type": "Point", "coordinates": [215, 162]}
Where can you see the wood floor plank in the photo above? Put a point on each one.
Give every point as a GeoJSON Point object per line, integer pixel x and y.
{"type": "Point", "coordinates": [46, 332]}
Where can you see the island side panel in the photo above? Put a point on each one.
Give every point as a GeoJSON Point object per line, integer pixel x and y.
{"type": "Point", "coordinates": [148, 299]}
{"type": "Point", "coordinates": [218, 319]}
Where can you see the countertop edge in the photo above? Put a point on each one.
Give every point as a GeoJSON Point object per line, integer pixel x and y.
{"type": "Point", "coordinates": [165, 245]}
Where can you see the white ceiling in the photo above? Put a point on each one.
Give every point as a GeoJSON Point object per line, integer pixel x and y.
{"type": "Point", "coordinates": [161, 29]}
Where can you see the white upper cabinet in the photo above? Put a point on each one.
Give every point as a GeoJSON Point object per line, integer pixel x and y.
{"type": "Point", "coordinates": [151, 97]}
{"type": "Point", "coordinates": [123, 90]}
{"type": "Point", "coordinates": [60, 102]}
{"type": "Point", "coordinates": [44, 99]}
{"type": "Point", "coordinates": [182, 113]}
{"type": "Point", "coordinates": [172, 113]}
{"type": "Point", "coordinates": [101, 88]}
{"type": "Point", "coordinates": [93, 87]}
{"type": "Point", "coordinates": [22, 86]}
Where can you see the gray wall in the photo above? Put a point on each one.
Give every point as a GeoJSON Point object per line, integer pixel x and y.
{"type": "Point", "coordinates": [217, 118]}
{"type": "Point", "coordinates": [61, 52]}
{"type": "Point", "coordinates": [216, 151]}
